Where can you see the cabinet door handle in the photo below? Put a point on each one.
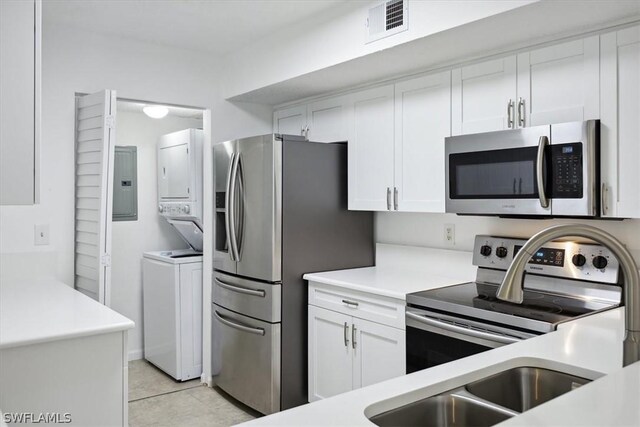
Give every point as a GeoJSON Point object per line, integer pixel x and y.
{"type": "Point", "coordinates": [603, 198]}
{"type": "Point", "coordinates": [346, 334]}
{"type": "Point", "coordinates": [395, 198]}
{"type": "Point", "coordinates": [521, 112]}
{"type": "Point", "coordinates": [353, 303]}
{"type": "Point", "coordinates": [353, 336]}
{"type": "Point", "coordinates": [510, 114]}
{"type": "Point", "coordinates": [388, 198]}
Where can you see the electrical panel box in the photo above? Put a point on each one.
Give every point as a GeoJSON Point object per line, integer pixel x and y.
{"type": "Point", "coordinates": [125, 184]}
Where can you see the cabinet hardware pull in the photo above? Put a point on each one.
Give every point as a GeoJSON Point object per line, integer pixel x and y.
{"type": "Point", "coordinates": [603, 198]}
{"type": "Point", "coordinates": [346, 301]}
{"type": "Point", "coordinates": [521, 112]}
{"type": "Point", "coordinates": [510, 114]}
{"type": "Point", "coordinates": [346, 334]}
{"type": "Point", "coordinates": [353, 336]}
{"type": "Point", "coordinates": [395, 198]}
{"type": "Point", "coordinates": [388, 198]}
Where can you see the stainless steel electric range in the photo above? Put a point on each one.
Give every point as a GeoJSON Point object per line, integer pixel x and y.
{"type": "Point", "coordinates": [564, 281]}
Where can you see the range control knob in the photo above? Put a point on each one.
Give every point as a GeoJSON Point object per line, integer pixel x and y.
{"type": "Point", "coordinates": [160, 209]}
{"type": "Point", "coordinates": [600, 262]}
{"type": "Point", "coordinates": [485, 250]}
{"type": "Point", "coordinates": [501, 252]}
{"type": "Point", "coordinates": [578, 260]}
{"type": "Point", "coordinates": [186, 209]}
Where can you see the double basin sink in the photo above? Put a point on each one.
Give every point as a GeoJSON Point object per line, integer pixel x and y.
{"type": "Point", "coordinates": [485, 402]}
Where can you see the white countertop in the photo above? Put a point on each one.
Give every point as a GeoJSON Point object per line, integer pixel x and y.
{"type": "Point", "coordinates": [401, 270]}
{"type": "Point", "coordinates": [43, 310]}
{"type": "Point", "coordinates": [386, 281]}
{"type": "Point", "coordinates": [587, 347]}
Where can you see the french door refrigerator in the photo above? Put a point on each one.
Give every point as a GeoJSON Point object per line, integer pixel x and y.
{"type": "Point", "coordinates": [281, 211]}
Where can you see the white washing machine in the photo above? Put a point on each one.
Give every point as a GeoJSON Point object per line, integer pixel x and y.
{"type": "Point", "coordinates": [172, 303]}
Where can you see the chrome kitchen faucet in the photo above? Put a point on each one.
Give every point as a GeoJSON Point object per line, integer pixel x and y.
{"type": "Point", "coordinates": [511, 289]}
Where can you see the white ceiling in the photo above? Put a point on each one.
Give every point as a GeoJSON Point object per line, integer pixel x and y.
{"type": "Point", "coordinates": [215, 26]}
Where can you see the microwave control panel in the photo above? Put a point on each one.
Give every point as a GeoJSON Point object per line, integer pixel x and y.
{"type": "Point", "coordinates": [566, 171]}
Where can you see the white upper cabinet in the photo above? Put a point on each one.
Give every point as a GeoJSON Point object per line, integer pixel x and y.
{"type": "Point", "coordinates": [483, 96]}
{"type": "Point", "coordinates": [320, 121]}
{"type": "Point", "coordinates": [422, 121]}
{"type": "Point", "coordinates": [19, 101]}
{"type": "Point", "coordinates": [620, 123]}
{"type": "Point", "coordinates": [371, 149]}
{"type": "Point", "coordinates": [290, 121]}
{"type": "Point", "coordinates": [327, 120]}
{"type": "Point", "coordinates": [559, 83]}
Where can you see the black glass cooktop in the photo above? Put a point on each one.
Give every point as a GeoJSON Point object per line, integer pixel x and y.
{"type": "Point", "coordinates": [539, 311]}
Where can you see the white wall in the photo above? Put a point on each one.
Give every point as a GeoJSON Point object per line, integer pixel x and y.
{"type": "Point", "coordinates": [421, 229]}
{"type": "Point", "coordinates": [149, 232]}
{"type": "Point", "coordinates": [340, 35]}
{"type": "Point", "coordinates": [79, 61]}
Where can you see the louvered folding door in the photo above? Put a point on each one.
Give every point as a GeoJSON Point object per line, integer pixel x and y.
{"type": "Point", "coordinates": [95, 144]}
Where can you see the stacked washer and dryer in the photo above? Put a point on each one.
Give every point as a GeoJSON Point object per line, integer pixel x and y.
{"type": "Point", "coordinates": [172, 279]}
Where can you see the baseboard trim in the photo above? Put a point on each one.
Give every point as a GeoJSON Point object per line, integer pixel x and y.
{"type": "Point", "coordinates": [136, 354]}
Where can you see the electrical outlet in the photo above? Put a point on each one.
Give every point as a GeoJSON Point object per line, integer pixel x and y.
{"type": "Point", "coordinates": [450, 234]}
{"type": "Point", "coordinates": [41, 235]}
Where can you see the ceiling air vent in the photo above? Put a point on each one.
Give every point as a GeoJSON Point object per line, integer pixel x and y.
{"type": "Point", "coordinates": [387, 18]}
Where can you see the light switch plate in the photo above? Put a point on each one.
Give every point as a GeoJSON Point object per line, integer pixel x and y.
{"type": "Point", "coordinates": [41, 236]}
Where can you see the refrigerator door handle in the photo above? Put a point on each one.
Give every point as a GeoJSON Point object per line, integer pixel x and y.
{"type": "Point", "coordinates": [238, 326]}
{"type": "Point", "coordinates": [240, 205]}
{"type": "Point", "coordinates": [228, 199]}
{"type": "Point", "coordinates": [231, 208]}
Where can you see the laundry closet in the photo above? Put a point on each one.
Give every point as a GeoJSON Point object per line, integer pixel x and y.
{"type": "Point", "coordinates": [157, 163]}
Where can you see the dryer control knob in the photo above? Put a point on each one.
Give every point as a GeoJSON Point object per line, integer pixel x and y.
{"type": "Point", "coordinates": [186, 209]}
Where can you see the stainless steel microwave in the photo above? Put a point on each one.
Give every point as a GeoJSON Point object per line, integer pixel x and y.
{"type": "Point", "coordinates": [551, 170]}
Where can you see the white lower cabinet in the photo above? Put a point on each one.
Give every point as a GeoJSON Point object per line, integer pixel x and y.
{"type": "Point", "coordinates": [330, 355]}
{"type": "Point", "coordinates": [378, 351]}
{"type": "Point", "coordinates": [347, 353]}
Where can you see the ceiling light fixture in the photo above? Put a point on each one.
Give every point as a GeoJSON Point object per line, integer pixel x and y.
{"type": "Point", "coordinates": [155, 111]}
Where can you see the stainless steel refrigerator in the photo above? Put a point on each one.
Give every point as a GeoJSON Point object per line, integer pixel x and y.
{"type": "Point", "coordinates": [281, 211]}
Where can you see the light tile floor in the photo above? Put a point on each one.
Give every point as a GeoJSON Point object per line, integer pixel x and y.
{"type": "Point", "coordinates": [156, 399]}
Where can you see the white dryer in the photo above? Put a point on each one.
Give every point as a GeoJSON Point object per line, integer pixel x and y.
{"type": "Point", "coordinates": [180, 183]}
{"type": "Point", "coordinates": [172, 318]}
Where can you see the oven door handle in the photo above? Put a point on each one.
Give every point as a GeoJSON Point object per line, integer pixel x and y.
{"type": "Point", "coordinates": [542, 143]}
{"type": "Point", "coordinates": [465, 331]}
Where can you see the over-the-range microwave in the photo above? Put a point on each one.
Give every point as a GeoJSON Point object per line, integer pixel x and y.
{"type": "Point", "coordinates": [551, 170]}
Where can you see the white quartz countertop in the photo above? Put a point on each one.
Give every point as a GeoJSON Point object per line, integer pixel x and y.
{"type": "Point", "coordinates": [386, 281]}
{"type": "Point", "coordinates": [46, 310]}
{"type": "Point", "coordinates": [401, 270]}
{"type": "Point", "coordinates": [588, 347]}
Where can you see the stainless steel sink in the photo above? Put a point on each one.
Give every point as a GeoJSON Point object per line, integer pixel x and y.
{"type": "Point", "coordinates": [485, 402]}
{"type": "Point", "coordinates": [444, 410]}
{"type": "Point", "coordinates": [524, 388]}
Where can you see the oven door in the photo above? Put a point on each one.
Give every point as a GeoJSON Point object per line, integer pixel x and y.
{"type": "Point", "coordinates": [499, 173]}
{"type": "Point", "coordinates": [436, 338]}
